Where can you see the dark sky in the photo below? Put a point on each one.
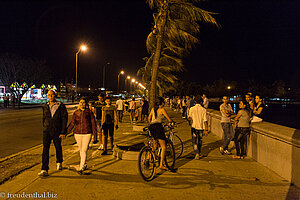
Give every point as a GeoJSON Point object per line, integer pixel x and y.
{"type": "Point", "coordinates": [258, 40]}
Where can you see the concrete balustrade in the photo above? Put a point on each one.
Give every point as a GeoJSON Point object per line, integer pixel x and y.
{"type": "Point", "coordinates": [274, 146]}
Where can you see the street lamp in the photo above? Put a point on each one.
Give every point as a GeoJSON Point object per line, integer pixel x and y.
{"type": "Point", "coordinates": [132, 81]}
{"type": "Point", "coordinates": [122, 72]}
{"type": "Point", "coordinates": [103, 81]}
{"type": "Point", "coordinates": [126, 82]}
{"type": "Point", "coordinates": [82, 48]}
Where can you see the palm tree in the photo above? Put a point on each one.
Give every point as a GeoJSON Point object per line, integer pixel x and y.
{"type": "Point", "coordinates": [174, 33]}
{"type": "Point", "coordinates": [168, 65]}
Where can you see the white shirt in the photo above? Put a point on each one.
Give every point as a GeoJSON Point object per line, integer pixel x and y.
{"type": "Point", "coordinates": [198, 115]}
{"type": "Point", "coordinates": [54, 107]}
{"type": "Point", "coordinates": [120, 104]}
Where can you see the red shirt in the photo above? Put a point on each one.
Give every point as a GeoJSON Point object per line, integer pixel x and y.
{"type": "Point", "coordinates": [84, 122]}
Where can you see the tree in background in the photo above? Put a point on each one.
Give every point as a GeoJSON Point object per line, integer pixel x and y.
{"type": "Point", "coordinates": [176, 25]}
{"type": "Point", "coordinates": [24, 71]}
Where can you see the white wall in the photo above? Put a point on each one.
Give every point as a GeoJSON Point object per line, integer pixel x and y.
{"type": "Point", "coordinates": [274, 146]}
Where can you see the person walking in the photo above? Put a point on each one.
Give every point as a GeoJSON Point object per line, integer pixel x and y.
{"type": "Point", "coordinates": [126, 104]}
{"type": "Point", "coordinates": [84, 124]}
{"type": "Point", "coordinates": [55, 119]}
{"type": "Point", "coordinates": [145, 109]}
{"type": "Point", "coordinates": [197, 116]}
{"type": "Point", "coordinates": [226, 112]}
{"type": "Point", "coordinates": [183, 107]}
{"type": "Point", "coordinates": [98, 105]}
{"type": "Point", "coordinates": [132, 107]}
{"type": "Point", "coordinates": [120, 108]}
{"type": "Point", "coordinates": [242, 129]}
{"type": "Point", "coordinates": [156, 128]}
{"type": "Point", "coordinates": [109, 122]}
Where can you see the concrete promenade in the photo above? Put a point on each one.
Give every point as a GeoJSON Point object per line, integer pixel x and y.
{"type": "Point", "coordinates": [215, 176]}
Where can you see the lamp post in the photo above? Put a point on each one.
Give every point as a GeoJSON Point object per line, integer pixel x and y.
{"type": "Point", "coordinates": [82, 48]}
{"type": "Point", "coordinates": [122, 72]}
{"type": "Point", "coordinates": [132, 81]}
{"type": "Point", "coordinates": [126, 83]}
{"type": "Point", "coordinates": [103, 74]}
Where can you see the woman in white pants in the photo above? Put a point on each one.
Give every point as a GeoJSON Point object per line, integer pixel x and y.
{"type": "Point", "coordinates": [85, 125]}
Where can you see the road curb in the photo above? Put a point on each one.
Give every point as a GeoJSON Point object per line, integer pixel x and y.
{"type": "Point", "coordinates": [19, 153]}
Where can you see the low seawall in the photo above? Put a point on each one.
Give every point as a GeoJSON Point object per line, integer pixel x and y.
{"type": "Point", "coordinates": [274, 146]}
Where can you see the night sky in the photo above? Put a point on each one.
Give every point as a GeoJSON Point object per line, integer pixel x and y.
{"type": "Point", "coordinates": [259, 40]}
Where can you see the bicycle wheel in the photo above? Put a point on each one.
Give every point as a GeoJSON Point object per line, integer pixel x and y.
{"type": "Point", "coordinates": [170, 155]}
{"type": "Point", "coordinates": [178, 146]}
{"type": "Point", "coordinates": [146, 164]}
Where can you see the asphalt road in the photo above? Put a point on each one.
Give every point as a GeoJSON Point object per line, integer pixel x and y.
{"type": "Point", "coordinates": [22, 129]}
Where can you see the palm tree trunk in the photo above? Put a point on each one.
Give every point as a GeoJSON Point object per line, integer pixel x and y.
{"type": "Point", "coordinates": [156, 57]}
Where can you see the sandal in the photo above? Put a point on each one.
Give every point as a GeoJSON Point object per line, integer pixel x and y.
{"type": "Point", "coordinates": [163, 168]}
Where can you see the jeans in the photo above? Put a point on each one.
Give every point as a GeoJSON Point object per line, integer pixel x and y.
{"type": "Point", "coordinates": [228, 134]}
{"type": "Point", "coordinates": [197, 140]}
{"type": "Point", "coordinates": [46, 146]}
{"type": "Point", "coordinates": [83, 141]}
{"type": "Point", "coordinates": [120, 115]}
{"type": "Point", "coordinates": [240, 140]}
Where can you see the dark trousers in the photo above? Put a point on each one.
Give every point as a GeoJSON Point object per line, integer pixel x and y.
{"type": "Point", "coordinates": [120, 115]}
{"type": "Point", "coordinates": [183, 111]}
{"type": "Point", "coordinates": [197, 140]}
{"type": "Point", "coordinates": [108, 129]}
{"type": "Point", "coordinates": [46, 146]}
{"type": "Point", "coordinates": [240, 140]}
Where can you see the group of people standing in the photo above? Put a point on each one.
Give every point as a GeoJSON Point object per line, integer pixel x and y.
{"type": "Point", "coordinates": [249, 112]}
{"type": "Point", "coordinates": [195, 109]}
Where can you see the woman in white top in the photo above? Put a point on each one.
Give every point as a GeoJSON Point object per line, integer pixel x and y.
{"type": "Point", "coordinates": [157, 130]}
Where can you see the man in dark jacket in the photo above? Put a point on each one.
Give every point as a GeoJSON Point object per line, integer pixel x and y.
{"type": "Point", "coordinates": [55, 119]}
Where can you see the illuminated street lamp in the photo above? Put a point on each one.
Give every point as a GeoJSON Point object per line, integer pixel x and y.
{"type": "Point", "coordinates": [229, 87]}
{"type": "Point", "coordinates": [82, 48]}
{"type": "Point", "coordinates": [121, 73]}
{"type": "Point", "coordinates": [126, 83]}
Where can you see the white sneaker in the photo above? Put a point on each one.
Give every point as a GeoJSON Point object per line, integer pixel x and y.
{"type": "Point", "coordinates": [101, 147]}
{"type": "Point", "coordinates": [43, 173]}
{"type": "Point", "coordinates": [59, 166]}
{"type": "Point", "coordinates": [227, 152]}
{"type": "Point", "coordinates": [221, 150]}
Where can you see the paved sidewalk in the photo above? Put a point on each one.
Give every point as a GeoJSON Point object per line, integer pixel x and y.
{"type": "Point", "coordinates": [213, 177]}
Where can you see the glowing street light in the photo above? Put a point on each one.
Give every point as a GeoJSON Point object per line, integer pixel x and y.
{"type": "Point", "coordinates": [229, 87]}
{"type": "Point", "coordinates": [121, 73]}
{"type": "Point", "coordinates": [82, 48]}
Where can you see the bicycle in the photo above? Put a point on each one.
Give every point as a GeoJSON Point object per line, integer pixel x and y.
{"type": "Point", "coordinates": [175, 139]}
{"type": "Point", "coordinates": [149, 158]}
